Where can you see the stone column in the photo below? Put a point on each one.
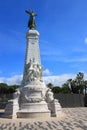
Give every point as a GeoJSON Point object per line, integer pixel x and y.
{"type": "Point", "coordinates": [32, 54]}
{"type": "Point", "coordinates": [32, 94]}
{"type": "Point", "coordinates": [32, 49]}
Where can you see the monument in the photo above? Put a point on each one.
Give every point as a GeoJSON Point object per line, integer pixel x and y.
{"type": "Point", "coordinates": [33, 98]}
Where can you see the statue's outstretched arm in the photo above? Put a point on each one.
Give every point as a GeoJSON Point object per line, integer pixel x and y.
{"type": "Point", "coordinates": [27, 12]}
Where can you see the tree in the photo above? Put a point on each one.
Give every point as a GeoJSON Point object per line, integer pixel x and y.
{"type": "Point", "coordinates": [56, 89]}
{"type": "Point", "coordinates": [50, 85]}
{"type": "Point", "coordinates": [65, 88]}
{"type": "Point", "coordinates": [77, 85]}
{"type": "Point", "coordinates": [12, 88]}
{"type": "Point", "coordinates": [80, 82]}
{"type": "Point", "coordinates": [85, 86]}
{"type": "Point", "coordinates": [5, 89]}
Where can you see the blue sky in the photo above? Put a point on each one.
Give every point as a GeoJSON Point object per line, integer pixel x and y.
{"type": "Point", "coordinates": [62, 25]}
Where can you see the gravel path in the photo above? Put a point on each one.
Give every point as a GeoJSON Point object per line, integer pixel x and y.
{"type": "Point", "coordinates": [72, 119]}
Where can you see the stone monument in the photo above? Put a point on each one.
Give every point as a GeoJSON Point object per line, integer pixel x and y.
{"type": "Point", "coordinates": [33, 99]}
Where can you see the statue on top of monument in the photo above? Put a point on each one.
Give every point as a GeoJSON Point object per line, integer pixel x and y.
{"type": "Point", "coordinates": [31, 22]}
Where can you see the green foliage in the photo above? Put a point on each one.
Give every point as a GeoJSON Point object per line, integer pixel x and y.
{"type": "Point", "coordinates": [56, 89]}
{"type": "Point", "coordinates": [5, 89]}
{"type": "Point", "coordinates": [65, 88]}
{"type": "Point", "coordinates": [50, 85]}
{"type": "Point", "coordinates": [76, 85]}
{"type": "Point", "coordinates": [85, 86]}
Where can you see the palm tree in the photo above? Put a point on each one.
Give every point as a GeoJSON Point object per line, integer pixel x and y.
{"type": "Point", "coordinates": [85, 86]}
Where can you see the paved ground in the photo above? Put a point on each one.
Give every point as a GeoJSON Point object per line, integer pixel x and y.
{"type": "Point", "coordinates": [73, 119]}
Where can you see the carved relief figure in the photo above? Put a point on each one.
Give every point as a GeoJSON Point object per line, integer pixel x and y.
{"type": "Point", "coordinates": [33, 71]}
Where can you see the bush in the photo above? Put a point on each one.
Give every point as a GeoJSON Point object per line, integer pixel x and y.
{"type": "Point", "coordinates": [5, 89]}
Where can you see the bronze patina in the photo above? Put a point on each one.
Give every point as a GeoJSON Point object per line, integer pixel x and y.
{"type": "Point", "coordinates": [31, 22]}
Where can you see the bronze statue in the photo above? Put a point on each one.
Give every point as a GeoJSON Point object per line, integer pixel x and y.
{"type": "Point", "coordinates": [31, 22]}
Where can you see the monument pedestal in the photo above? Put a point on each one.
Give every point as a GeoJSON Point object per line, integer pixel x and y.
{"type": "Point", "coordinates": [32, 102]}
{"type": "Point", "coordinates": [11, 109]}
{"type": "Point", "coordinates": [55, 108]}
{"type": "Point", "coordinates": [33, 110]}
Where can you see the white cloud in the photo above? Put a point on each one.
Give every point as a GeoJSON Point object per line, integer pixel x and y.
{"type": "Point", "coordinates": [16, 79]}
{"type": "Point", "coordinates": [85, 40]}
{"type": "Point", "coordinates": [2, 79]}
{"type": "Point", "coordinates": [46, 72]}
{"type": "Point", "coordinates": [57, 80]}
{"type": "Point", "coordinates": [85, 76]}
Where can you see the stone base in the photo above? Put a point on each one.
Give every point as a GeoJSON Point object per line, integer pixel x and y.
{"type": "Point", "coordinates": [55, 108]}
{"type": "Point", "coordinates": [32, 110]}
{"type": "Point", "coordinates": [33, 92]}
{"type": "Point", "coordinates": [11, 109]}
{"type": "Point", "coordinates": [25, 114]}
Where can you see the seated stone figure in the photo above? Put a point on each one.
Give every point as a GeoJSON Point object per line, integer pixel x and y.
{"type": "Point", "coordinates": [49, 95]}
{"type": "Point", "coordinates": [16, 94]}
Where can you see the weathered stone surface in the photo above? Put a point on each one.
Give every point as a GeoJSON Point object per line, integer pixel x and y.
{"type": "Point", "coordinates": [11, 109]}
{"type": "Point", "coordinates": [32, 94]}
{"type": "Point", "coordinates": [33, 98]}
{"type": "Point", "coordinates": [32, 49]}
